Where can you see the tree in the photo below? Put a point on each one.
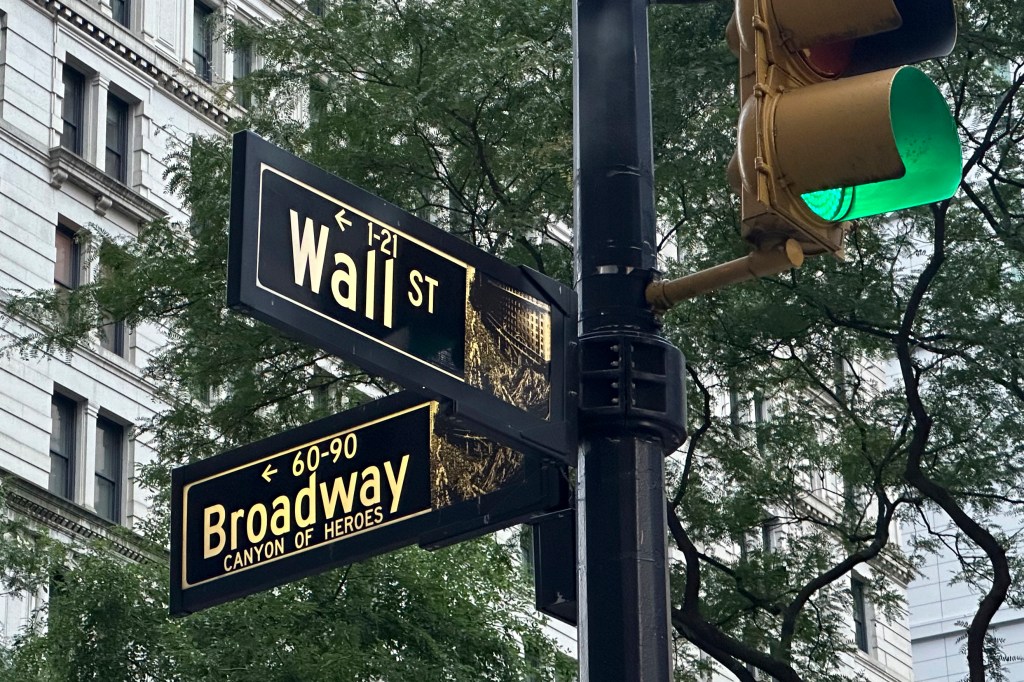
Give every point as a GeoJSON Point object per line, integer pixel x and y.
{"type": "Point", "coordinates": [456, 614]}
{"type": "Point", "coordinates": [933, 296]}
{"type": "Point", "coordinates": [462, 111]}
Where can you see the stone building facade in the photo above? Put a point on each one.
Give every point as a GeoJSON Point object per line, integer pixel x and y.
{"type": "Point", "coordinates": [94, 94]}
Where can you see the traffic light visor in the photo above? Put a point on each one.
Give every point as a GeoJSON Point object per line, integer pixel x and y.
{"type": "Point", "coordinates": [925, 135]}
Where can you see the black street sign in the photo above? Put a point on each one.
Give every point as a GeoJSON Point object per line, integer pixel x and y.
{"type": "Point", "coordinates": [344, 270]}
{"type": "Point", "coordinates": [369, 480]}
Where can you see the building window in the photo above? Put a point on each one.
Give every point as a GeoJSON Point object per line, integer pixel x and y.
{"type": "Point", "coordinates": [112, 335]}
{"type": "Point", "coordinates": [860, 613]}
{"type": "Point", "coordinates": [533, 661]}
{"type": "Point", "coordinates": [109, 443]}
{"type": "Point", "coordinates": [3, 50]}
{"type": "Point", "coordinates": [72, 110]}
{"type": "Point", "coordinates": [57, 590]}
{"type": "Point", "coordinates": [116, 160]}
{"type": "Point", "coordinates": [526, 550]}
{"type": "Point", "coordinates": [202, 41]}
{"type": "Point", "coordinates": [113, 330]}
{"type": "Point", "coordinates": [68, 260]}
{"type": "Point", "coordinates": [122, 12]}
{"type": "Point", "coordinates": [62, 445]}
{"type": "Point", "coordinates": [318, 100]}
{"type": "Point", "coordinates": [317, 7]}
{"type": "Point", "coordinates": [243, 67]}
{"type": "Point", "coordinates": [771, 534]}
{"type": "Point", "coordinates": [746, 542]}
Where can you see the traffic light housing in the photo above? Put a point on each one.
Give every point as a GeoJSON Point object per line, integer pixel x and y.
{"type": "Point", "coordinates": [833, 125]}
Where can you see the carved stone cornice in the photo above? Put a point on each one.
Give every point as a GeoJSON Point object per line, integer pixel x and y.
{"type": "Point", "coordinates": [187, 88]}
{"type": "Point", "coordinates": [63, 517]}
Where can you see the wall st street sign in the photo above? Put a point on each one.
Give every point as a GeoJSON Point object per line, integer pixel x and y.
{"type": "Point", "coordinates": [390, 473]}
{"type": "Point", "coordinates": [343, 270]}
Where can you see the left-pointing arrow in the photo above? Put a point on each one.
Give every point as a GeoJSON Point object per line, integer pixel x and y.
{"type": "Point", "coordinates": [268, 472]}
{"type": "Point", "coordinates": [342, 220]}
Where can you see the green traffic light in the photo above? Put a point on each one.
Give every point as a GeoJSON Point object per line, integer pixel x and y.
{"type": "Point", "coordinates": [927, 141]}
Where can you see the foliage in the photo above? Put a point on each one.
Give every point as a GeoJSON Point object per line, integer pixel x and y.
{"type": "Point", "coordinates": [456, 614]}
{"type": "Point", "coordinates": [404, 616]}
{"type": "Point", "coordinates": [886, 384]}
{"type": "Point", "coordinates": [826, 405]}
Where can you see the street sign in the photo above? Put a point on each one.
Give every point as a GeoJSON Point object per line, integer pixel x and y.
{"type": "Point", "coordinates": [369, 480]}
{"type": "Point", "coordinates": [343, 270]}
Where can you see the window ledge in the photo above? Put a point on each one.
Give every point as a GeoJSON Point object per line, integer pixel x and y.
{"type": "Point", "coordinates": [109, 193]}
{"type": "Point", "coordinates": [91, 352]}
{"type": "Point", "coordinates": [871, 662]}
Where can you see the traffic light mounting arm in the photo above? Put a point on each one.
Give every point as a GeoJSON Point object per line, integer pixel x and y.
{"type": "Point", "coordinates": [662, 295]}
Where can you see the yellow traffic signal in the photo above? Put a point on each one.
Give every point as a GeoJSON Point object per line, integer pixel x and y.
{"type": "Point", "coordinates": [833, 126]}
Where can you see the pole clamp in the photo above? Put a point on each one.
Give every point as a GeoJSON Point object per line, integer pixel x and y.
{"type": "Point", "coordinates": [633, 381]}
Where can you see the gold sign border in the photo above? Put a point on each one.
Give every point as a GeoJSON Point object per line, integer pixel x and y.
{"type": "Point", "coordinates": [431, 405]}
{"type": "Point", "coordinates": [470, 270]}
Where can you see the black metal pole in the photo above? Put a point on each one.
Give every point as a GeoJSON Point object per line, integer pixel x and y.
{"type": "Point", "coordinates": [631, 396]}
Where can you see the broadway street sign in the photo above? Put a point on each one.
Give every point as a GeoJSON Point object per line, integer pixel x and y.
{"type": "Point", "coordinates": [363, 482]}
{"type": "Point", "coordinates": [344, 270]}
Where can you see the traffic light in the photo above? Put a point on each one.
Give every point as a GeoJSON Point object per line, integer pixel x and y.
{"type": "Point", "coordinates": [833, 124]}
